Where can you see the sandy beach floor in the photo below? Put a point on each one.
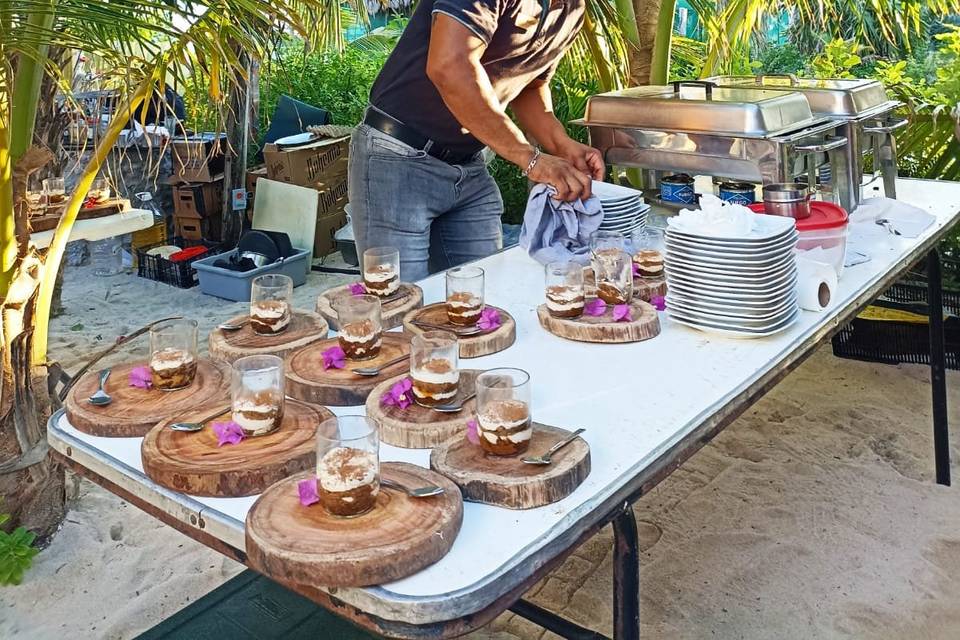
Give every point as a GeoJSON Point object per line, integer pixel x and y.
{"type": "Point", "coordinates": [814, 515]}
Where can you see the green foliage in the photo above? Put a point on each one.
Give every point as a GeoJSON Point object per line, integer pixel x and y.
{"type": "Point", "coordinates": [785, 58]}
{"type": "Point", "coordinates": [837, 59]}
{"type": "Point", "coordinates": [686, 58]}
{"type": "Point", "coordinates": [16, 553]}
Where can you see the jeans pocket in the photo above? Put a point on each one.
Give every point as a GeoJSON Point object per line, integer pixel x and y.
{"type": "Point", "coordinates": [388, 147]}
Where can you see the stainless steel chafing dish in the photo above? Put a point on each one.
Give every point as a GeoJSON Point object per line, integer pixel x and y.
{"type": "Point", "coordinates": [698, 128]}
{"type": "Point", "coordinates": [863, 107]}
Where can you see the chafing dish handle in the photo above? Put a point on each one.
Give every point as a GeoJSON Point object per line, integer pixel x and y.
{"type": "Point", "coordinates": [828, 145]}
{"type": "Point", "coordinates": [794, 81]}
{"type": "Point", "coordinates": [706, 84]}
{"type": "Point", "coordinates": [887, 128]}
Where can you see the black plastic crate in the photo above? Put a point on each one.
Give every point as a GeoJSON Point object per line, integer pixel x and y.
{"type": "Point", "coordinates": [178, 274]}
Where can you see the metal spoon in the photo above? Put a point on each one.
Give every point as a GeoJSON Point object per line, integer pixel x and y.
{"type": "Point", "coordinates": [187, 426]}
{"type": "Point", "coordinates": [883, 222]}
{"type": "Point", "coordinates": [547, 458]}
{"type": "Point", "coordinates": [375, 371]}
{"type": "Point", "coordinates": [460, 331]}
{"type": "Point", "coordinates": [227, 326]}
{"type": "Point", "coordinates": [101, 398]}
{"type": "Point", "coordinates": [420, 492]}
{"type": "Point", "coordinates": [454, 407]}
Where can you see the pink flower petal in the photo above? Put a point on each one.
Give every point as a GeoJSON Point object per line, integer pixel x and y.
{"type": "Point", "coordinates": [228, 433]}
{"type": "Point", "coordinates": [621, 313]}
{"type": "Point", "coordinates": [636, 270]}
{"type": "Point", "coordinates": [473, 432]}
{"type": "Point", "coordinates": [489, 319]}
{"type": "Point", "coordinates": [399, 394]}
{"type": "Point", "coordinates": [595, 307]}
{"type": "Point", "coordinates": [308, 491]}
{"type": "Point", "coordinates": [334, 357]}
{"type": "Point", "coordinates": [357, 288]}
{"type": "Point", "coordinates": [141, 377]}
{"type": "Point", "coordinates": [659, 303]}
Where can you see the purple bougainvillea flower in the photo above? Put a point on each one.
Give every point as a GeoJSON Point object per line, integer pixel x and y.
{"type": "Point", "coordinates": [357, 289]}
{"type": "Point", "coordinates": [308, 491]}
{"type": "Point", "coordinates": [400, 395]}
{"type": "Point", "coordinates": [473, 432]}
{"type": "Point", "coordinates": [621, 313]}
{"type": "Point", "coordinates": [228, 432]}
{"type": "Point", "coordinates": [141, 377]}
{"type": "Point", "coordinates": [595, 307]}
{"type": "Point", "coordinates": [636, 270]}
{"type": "Point", "coordinates": [489, 319]}
{"type": "Point", "coordinates": [659, 303]}
{"type": "Point", "coordinates": [334, 357]}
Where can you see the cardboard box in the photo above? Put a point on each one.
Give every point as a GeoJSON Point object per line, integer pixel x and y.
{"type": "Point", "coordinates": [198, 200]}
{"type": "Point", "coordinates": [199, 158]}
{"type": "Point", "coordinates": [251, 184]}
{"type": "Point", "coordinates": [314, 165]}
{"type": "Point", "coordinates": [327, 225]}
{"type": "Point", "coordinates": [197, 228]}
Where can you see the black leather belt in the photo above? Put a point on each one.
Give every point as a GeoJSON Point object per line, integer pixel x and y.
{"type": "Point", "coordinates": [396, 129]}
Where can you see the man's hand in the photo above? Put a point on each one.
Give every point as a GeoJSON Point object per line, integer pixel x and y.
{"type": "Point", "coordinates": [571, 183]}
{"type": "Point", "coordinates": [583, 157]}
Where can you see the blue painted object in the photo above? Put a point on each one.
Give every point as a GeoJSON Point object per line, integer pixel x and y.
{"type": "Point", "coordinates": [738, 192]}
{"type": "Point", "coordinates": [678, 188]}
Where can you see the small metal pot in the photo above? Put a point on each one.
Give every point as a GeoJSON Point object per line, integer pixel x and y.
{"type": "Point", "coordinates": [738, 192]}
{"type": "Point", "coordinates": [790, 199]}
{"type": "Point", "coordinates": [678, 188]}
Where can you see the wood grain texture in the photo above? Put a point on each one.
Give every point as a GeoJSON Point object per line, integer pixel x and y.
{"type": "Point", "coordinates": [391, 313]}
{"type": "Point", "coordinates": [304, 329]}
{"type": "Point", "coordinates": [398, 537]}
{"type": "Point", "coordinates": [49, 220]}
{"type": "Point", "coordinates": [505, 481]}
{"type": "Point", "coordinates": [192, 463]}
{"type": "Point", "coordinates": [134, 411]}
{"type": "Point", "coordinates": [643, 288]}
{"type": "Point", "coordinates": [418, 427]}
{"type": "Point", "coordinates": [645, 324]}
{"type": "Point", "coordinates": [307, 380]}
{"type": "Point", "coordinates": [474, 346]}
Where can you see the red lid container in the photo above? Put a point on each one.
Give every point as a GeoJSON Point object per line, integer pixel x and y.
{"type": "Point", "coordinates": [823, 215]}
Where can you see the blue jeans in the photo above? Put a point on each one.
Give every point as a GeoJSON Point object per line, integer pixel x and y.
{"type": "Point", "coordinates": [438, 215]}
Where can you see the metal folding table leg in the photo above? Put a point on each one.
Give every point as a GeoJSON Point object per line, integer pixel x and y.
{"type": "Point", "coordinates": [938, 366]}
{"type": "Point", "coordinates": [626, 577]}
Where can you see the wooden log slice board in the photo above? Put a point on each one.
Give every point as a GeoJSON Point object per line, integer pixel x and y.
{"type": "Point", "coordinates": [643, 288]}
{"type": "Point", "coordinates": [506, 481]}
{"type": "Point", "coordinates": [397, 538]}
{"type": "Point", "coordinates": [193, 463]}
{"type": "Point", "coordinates": [308, 381]}
{"type": "Point", "coordinates": [645, 324]}
{"type": "Point", "coordinates": [474, 346]}
{"type": "Point", "coordinates": [391, 313]}
{"type": "Point", "coordinates": [305, 328]}
{"type": "Point", "coordinates": [418, 427]}
{"type": "Point", "coordinates": [134, 411]}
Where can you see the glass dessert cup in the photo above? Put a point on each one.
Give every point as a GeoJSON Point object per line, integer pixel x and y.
{"type": "Point", "coordinates": [434, 367]}
{"type": "Point", "coordinates": [604, 240]}
{"type": "Point", "coordinates": [348, 465]}
{"type": "Point", "coordinates": [464, 295]}
{"type": "Point", "coordinates": [55, 191]}
{"type": "Point", "coordinates": [270, 305]}
{"type": "Point", "coordinates": [503, 411]}
{"type": "Point", "coordinates": [173, 354]}
{"type": "Point", "coordinates": [99, 191]}
{"type": "Point", "coordinates": [648, 263]}
{"type": "Point", "coordinates": [613, 270]}
{"type": "Point", "coordinates": [564, 289]}
{"type": "Point", "coordinates": [361, 328]}
{"type": "Point", "coordinates": [257, 394]}
{"type": "Point", "coordinates": [381, 271]}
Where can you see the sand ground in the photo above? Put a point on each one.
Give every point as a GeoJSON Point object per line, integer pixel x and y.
{"type": "Point", "coordinates": [812, 516]}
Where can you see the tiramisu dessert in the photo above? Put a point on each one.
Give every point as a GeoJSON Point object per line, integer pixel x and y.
{"type": "Point", "coordinates": [649, 263]}
{"type": "Point", "coordinates": [464, 308]}
{"type": "Point", "coordinates": [172, 369]}
{"type": "Point", "coordinates": [611, 293]}
{"type": "Point", "coordinates": [505, 427]}
{"type": "Point", "coordinates": [381, 280]}
{"type": "Point", "coordinates": [609, 266]}
{"type": "Point", "coordinates": [258, 413]}
{"type": "Point", "coordinates": [361, 339]}
{"type": "Point", "coordinates": [268, 317]}
{"type": "Point", "coordinates": [348, 481]}
{"type": "Point", "coordinates": [435, 382]}
{"type": "Point", "coordinates": [565, 301]}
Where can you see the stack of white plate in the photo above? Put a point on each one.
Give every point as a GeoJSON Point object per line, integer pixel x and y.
{"type": "Point", "coordinates": [623, 208]}
{"type": "Point", "coordinates": [745, 286]}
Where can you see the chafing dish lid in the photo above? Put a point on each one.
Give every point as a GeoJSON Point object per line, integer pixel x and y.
{"type": "Point", "coordinates": [839, 97]}
{"type": "Point", "coordinates": [699, 107]}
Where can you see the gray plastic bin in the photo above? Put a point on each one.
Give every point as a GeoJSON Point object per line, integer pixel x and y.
{"type": "Point", "coordinates": [235, 285]}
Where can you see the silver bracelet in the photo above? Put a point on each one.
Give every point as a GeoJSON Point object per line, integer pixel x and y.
{"type": "Point", "coordinates": [532, 163]}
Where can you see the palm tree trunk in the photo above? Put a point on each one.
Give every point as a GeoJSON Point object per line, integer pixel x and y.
{"type": "Point", "coordinates": [643, 63]}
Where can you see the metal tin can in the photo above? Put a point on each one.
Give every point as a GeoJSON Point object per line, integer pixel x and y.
{"type": "Point", "coordinates": [678, 188]}
{"type": "Point", "coordinates": [738, 192]}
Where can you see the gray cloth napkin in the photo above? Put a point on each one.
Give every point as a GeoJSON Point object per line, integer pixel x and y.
{"type": "Point", "coordinates": [555, 231]}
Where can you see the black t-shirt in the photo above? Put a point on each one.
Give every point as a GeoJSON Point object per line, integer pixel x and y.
{"type": "Point", "coordinates": [516, 55]}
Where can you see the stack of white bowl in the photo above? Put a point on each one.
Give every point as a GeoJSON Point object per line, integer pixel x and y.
{"type": "Point", "coordinates": [624, 209]}
{"type": "Point", "coordinates": [743, 285]}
